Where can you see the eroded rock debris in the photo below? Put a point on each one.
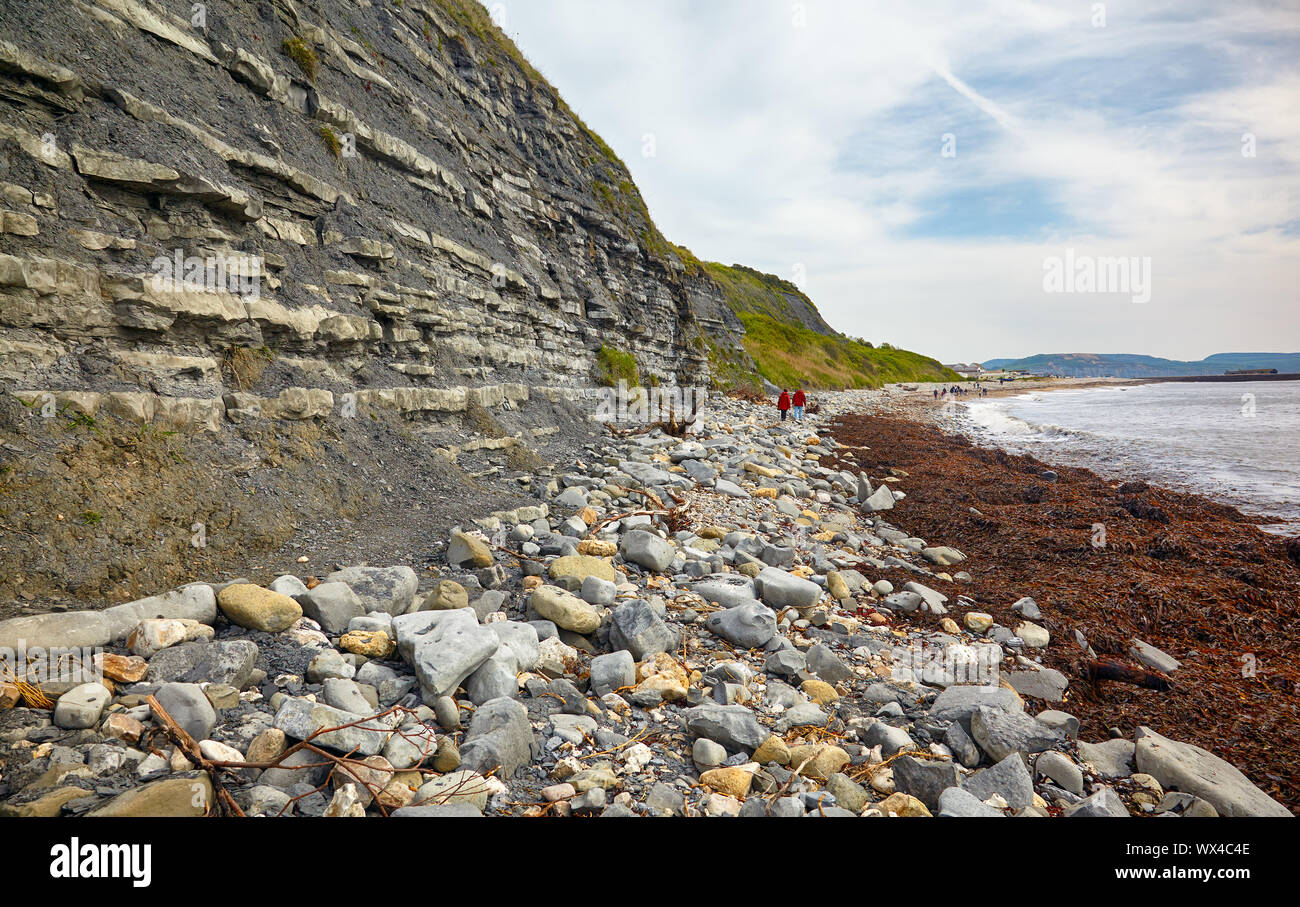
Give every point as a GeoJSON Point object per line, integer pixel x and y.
{"type": "Point", "coordinates": [762, 619]}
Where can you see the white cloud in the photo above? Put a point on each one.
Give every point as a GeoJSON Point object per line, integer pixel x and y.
{"type": "Point", "coordinates": [819, 145]}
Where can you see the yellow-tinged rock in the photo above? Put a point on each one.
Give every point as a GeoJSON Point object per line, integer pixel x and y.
{"type": "Point", "coordinates": [664, 674]}
{"type": "Point", "coordinates": [819, 691]}
{"type": "Point", "coordinates": [589, 515]}
{"type": "Point", "coordinates": [823, 760]}
{"type": "Point", "coordinates": [597, 548]}
{"type": "Point", "coordinates": [124, 668]}
{"type": "Point", "coordinates": [804, 521]}
{"type": "Point", "coordinates": [949, 625]}
{"type": "Point", "coordinates": [398, 792]}
{"type": "Point", "coordinates": [802, 570]}
{"type": "Point", "coordinates": [977, 621]}
{"type": "Point", "coordinates": [734, 781]}
{"type": "Point", "coordinates": [46, 806]}
{"type": "Point", "coordinates": [773, 749]}
{"type": "Point", "coordinates": [372, 644]}
{"type": "Point", "coordinates": [10, 696]}
{"type": "Point", "coordinates": [267, 746]}
{"type": "Point", "coordinates": [836, 586]}
{"type": "Point", "coordinates": [565, 609]}
{"type": "Point", "coordinates": [765, 492]}
{"type": "Point", "coordinates": [530, 582]}
{"type": "Point", "coordinates": [581, 566]}
{"type": "Point", "coordinates": [824, 536]}
{"type": "Point", "coordinates": [904, 806]}
{"type": "Point", "coordinates": [751, 570]}
{"type": "Point", "coordinates": [759, 469]}
{"type": "Point", "coordinates": [121, 726]}
{"type": "Point", "coordinates": [712, 532]}
{"type": "Point", "coordinates": [471, 549]}
{"type": "Point", "coordinates": [446, 595]}
{"type": "Point", "coordinates": [256, 608]}
{"type": "Point", "coordinates": [171, 797]}
{"type": "Point", "coordinates": [813, 441]}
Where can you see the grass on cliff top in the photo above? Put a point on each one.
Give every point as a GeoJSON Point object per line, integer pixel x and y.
{"type": "Point", "coordinates": [748, 290]}
{"type": "Point", "coordinates": [789, 354]}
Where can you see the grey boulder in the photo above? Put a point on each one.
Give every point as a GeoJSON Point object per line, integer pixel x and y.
{"type": "Point", "coordinates": [224, 661]}
{"type": "Point", "coordinates": [780, 589]}
{"type": "Point", "coordinates": [1009, 778]}
{"type": "Point", "coordinates": [1001, 734]}
{"type": "Point", "coordinates": [646, 549]}
{"type": "Point", "coordinates": [444, 648]}
{"type": "Point", "coordinates": [189, 708]}
{"type": "Point", "coordinates": [388, 589]}
{"type": "Point", "coordinates": [734, 726]}
{"type": "Point", "coordinates": [725, 589]}
{"type": "Point", "coordinates": [499, 736]}
{"type": "Point", "coordinates": [332, 605]}
{"type": "Point", "coordinates": [749, 625]}
{"type": "Point", "coordinates": [636, 627]}
{"type": "Point", "coordinates": [611, 672]}
{"type": "Point", "coordinates": [1188, 768]}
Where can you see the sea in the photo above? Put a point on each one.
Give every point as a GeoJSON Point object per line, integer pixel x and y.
{"type": "Point", "coordinates": [1236, 442]}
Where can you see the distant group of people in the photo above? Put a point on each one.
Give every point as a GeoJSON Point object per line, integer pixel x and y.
{"type": "Point", "coordinates": [958, 391]}
{"type": "Point", "coordinates": [785, 403]}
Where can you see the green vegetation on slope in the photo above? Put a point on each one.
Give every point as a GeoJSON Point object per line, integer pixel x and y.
{"type": "Point", "coordinates": [748, 290]}
{"type": "Point", "coordinates": [616, 365]}
{"type": "Point", "coordinates": [789, 354]}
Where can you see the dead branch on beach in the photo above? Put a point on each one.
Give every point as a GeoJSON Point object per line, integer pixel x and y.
{"type": "Point", "coordinates": [217, 769]}
{"type": "Point", "coordinates": [676, 425]}
{"type": "Point", "coordinates": [1100, 670]}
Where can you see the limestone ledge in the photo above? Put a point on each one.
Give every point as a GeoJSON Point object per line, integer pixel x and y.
{"type": "Point", "coordinates": [547, 314]}
{"type": "Point", "coordinates": [293, 403]}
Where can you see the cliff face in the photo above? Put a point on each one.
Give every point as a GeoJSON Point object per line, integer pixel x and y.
{"type": "Point", "coordinates": [412, 205]}
{"type": "Point", "coordinates": [269, 266]}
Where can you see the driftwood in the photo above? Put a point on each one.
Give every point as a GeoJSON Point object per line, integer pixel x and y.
{"type": "Point", "coordinates": [675, 425]}
{"type": "Point", "coordinates": [1122, 673]}
{"type": "Point", "coordinates": [226, 805]}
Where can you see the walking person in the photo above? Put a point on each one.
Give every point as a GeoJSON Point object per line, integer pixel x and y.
{"type": "Point", "coordinates": [783, 404]}
{"type": "Point", "coordinates": [799, 402]}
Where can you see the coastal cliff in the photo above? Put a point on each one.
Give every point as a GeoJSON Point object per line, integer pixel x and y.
{"type": "Point", "coordinates": [266, 266]}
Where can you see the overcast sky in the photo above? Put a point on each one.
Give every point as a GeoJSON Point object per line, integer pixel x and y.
{"type": "Point", "coordinates": [808, 140]}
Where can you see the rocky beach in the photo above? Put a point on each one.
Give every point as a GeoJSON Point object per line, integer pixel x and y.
{"type": "Point", "coordinates": [367, 450]}
{"type": "Point", "coordinates": [857, 616]}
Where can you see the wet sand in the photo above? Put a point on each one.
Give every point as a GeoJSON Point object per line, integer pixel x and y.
{"type": "Point", "coordinates": [923, 397]}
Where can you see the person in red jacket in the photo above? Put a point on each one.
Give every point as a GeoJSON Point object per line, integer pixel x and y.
{"type": "Point", "coordinates": [783, 404]}
{"type": "Point", "coordinates": [799, 401]}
